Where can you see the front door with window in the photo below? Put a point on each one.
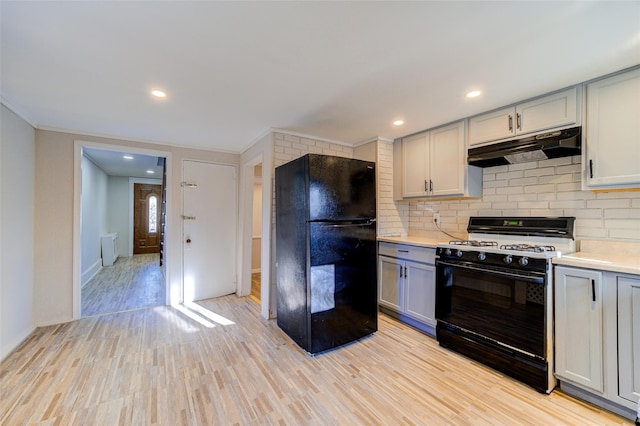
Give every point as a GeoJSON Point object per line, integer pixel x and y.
{"type": "Point", "coordinates": [147, 202]}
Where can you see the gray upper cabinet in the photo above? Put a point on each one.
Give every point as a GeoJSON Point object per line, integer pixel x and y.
{"type": "Point", "coordinates": [557, 110]}
{"type": "Point", "coordinates": [611, 135]}
{"type": "Point", "coordinates": [434, 165]}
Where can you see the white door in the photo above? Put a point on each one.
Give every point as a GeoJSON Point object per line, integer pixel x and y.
{"type": "Point", "coordinates": [209, 230]}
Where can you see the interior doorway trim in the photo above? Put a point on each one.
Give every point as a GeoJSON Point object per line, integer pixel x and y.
{"type": "Point", "coordinates": [79, 146]}
{"type": "Point", "coordinates": [267, 305]}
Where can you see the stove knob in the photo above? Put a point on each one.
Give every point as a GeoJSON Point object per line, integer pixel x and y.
{"type": "Point", "coordinates": [459, 253]}
{"type": "Point", "coordinates": [523, 261]}
{"type": "Point", "coordinates": [508, 259]}
{"type": "Point", "coordinates": [482, 256]}
{"type": "Point", "coordinates": [448, 252]}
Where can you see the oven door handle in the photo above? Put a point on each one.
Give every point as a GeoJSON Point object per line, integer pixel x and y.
{"type": "Point", "coordinates": [533, 279]}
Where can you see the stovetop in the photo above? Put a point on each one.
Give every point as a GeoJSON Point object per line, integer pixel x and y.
{"type": "Point", "coordinates": [514, 237]}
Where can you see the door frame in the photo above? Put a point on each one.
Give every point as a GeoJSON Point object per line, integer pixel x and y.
{"type": "Point", "coordinates": [267, 305]}
{"type": "Point", "coordinates": [79, 146]}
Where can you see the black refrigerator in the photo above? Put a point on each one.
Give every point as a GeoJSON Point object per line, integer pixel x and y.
{"type": "Point", "coordinates": [326, 250]}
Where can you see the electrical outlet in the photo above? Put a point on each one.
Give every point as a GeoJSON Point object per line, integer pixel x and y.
{"type": "Point", "coordinates": [436, 218]}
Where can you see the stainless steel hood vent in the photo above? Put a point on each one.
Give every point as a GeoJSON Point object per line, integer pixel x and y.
{"type": "Point", "coordinates": [554, 144]}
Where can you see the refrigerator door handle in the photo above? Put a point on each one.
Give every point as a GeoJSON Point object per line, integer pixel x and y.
{"type": "Point", "coordinates": [349, 225]}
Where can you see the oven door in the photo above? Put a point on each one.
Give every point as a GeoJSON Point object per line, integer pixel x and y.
{"type": "Point", "coordinates": [503, 305]}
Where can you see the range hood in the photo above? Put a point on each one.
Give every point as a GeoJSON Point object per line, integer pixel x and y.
{"type": "Point", "coordinates": [550, 144]}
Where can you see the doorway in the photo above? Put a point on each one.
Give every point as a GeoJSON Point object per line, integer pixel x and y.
{"type": "Point", "coordinates": [147, 202]}
{"type": "Point", "coordinates": [256, 235]}
{"type": "Point", "coordinates": [105, 195]}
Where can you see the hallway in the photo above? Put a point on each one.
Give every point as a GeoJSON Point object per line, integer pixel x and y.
{"type": "Point", "coordinates": [131, 283]}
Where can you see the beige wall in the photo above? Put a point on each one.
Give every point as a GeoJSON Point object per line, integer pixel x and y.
{"type": "Point", "coordinates": [16, 230]}
{"type": "Point", "coordinates": [54, 203]}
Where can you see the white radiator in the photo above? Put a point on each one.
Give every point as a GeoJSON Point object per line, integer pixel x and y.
{"type": "Point", "coordinates": [109, 248]}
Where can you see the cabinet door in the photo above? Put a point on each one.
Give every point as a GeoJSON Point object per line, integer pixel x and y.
{"type": "Point", "coordinates": [415, 175]}
{"type": "Point", "coordinates": [559, 109]}
{"type": "Point", "coordinates": [447, 160]}
{"type": "Point", "coordinates": [420, 292]}
{"type": "Point", "coordinates": [612, 132]}
{"type": "Point", "coordinates": [629, 338]}
{"type": "Point", "coordinates": [578, 326]}
{"type": "Point", "coordinates": [492, 126]}
{"type": "Point", "coordinates": [391, 273]}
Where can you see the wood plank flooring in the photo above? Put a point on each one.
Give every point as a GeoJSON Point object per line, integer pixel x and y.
{"type": "Point", "coordinates": [227, 366]}
{"type": "Point", "coordinates": [130, 283]}
{"type": "Point", "coordinates": [255, 286]}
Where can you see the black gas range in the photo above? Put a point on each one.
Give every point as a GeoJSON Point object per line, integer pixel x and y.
{"type": "Point", "coordinates": [494, 295]}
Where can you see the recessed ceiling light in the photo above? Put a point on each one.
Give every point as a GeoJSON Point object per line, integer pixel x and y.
{"type": "Point", "coordinates": [398, 122]}
{"type": "Point", "coordinates": [158, 93]}
{"type": "Point", "coordinates": [127, 157]}
{"type": "Point", "coordinates": [473, 94]}
{"type": "Point", "coordinates": [150, 172]}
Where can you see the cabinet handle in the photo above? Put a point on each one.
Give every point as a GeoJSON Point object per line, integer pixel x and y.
{"type": "Point", "coordinates": [403, 251]}
{"type": "Point", "coordinates": [405, 272]}
{"type": "Point", "coordinates": [430, 185]}
{"type": "Point", "coordinates": [400, 276]}
{"type": "Point", "coordinates": [591, 169]}
{"type": "Point", "coordinates": [519, 121]}
{"type": "Point", "coordinates": [510, 123]}
{"type": "Point", "coordinates": [426, 187]}
{"type": "Point", "coordinates": [593, 290]}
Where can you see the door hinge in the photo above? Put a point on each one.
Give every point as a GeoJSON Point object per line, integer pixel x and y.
{"type": "Point", "coordinates": [188, 185]}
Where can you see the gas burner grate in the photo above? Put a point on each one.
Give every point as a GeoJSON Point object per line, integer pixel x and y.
{"type": "Point", "coordinates": [474, 243]}
{"type": "Point", "coordinates": [527, 247]}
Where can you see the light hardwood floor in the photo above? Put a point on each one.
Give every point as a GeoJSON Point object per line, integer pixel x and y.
{"type": "Point", "coordinates": [161, 366]}
{"type": "Point", "coordinates": [255, 286]}
{"type": "Point", "coordinates": [130, 283]}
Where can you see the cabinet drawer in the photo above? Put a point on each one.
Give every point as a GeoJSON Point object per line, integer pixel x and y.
{"type": "Point", "coordinates": [406, 251]}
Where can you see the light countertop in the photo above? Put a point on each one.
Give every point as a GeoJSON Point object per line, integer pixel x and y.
{"type": "Point", "coordinates": [601, 261]}
{"type": "Point", "coordinates": [420, 241]}
{"type": "Point", "coordinates": [597, 254]}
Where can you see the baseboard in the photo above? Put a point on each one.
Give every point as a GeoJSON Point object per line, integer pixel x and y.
{"type": "Point", "coordinates": [584, 395]}
{"type": "Point", "coordinates": [7, 350]}
{"type": "Point", "coordinates": [91, 272]}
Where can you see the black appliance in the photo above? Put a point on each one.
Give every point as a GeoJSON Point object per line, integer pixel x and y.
{"type": "Point", "coordinates": [550, 144]}
{"type": "Point", "coordinates": [494, 294]}
{"type": "Point", "coordinates": [326, 250]}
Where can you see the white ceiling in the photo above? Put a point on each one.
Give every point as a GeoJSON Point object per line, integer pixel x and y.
{"type": "Point", "coordinates": [114, 163]}
{"type": "Point", "coordinates": [336, 70]}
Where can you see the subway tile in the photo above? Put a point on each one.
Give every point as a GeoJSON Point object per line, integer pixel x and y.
{"type": "Point", "coordinates": [509, 175]}
{"type": "Point", "coordinates": [524, 181]}
{"type": "Point", "coordinates": [625, 234]}
{"type": "Point", "coordinates": [584, 213]}
{"type": "Point", "coordinates": [567, 204]}
{"type": "Point", "coordinates": [611, 203]}
{"type": "Point", "coordinates": [533, 205]}
{"type": "Point", "coordinates": [555, 179]}
{"type": "Point", "coordinates": [545, 171]}
{"type": "Point", "coordinates": [622, 214]}
{"type": "Point", "coordinates": [569, 186]}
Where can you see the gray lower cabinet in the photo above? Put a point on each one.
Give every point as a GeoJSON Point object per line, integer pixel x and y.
{"type": "Point", "coordinates": [407, 284]}
{"type": "Point", "coordinates": [597, 337]}
{"type": "Point", "coordinates": [628, 298]}
{"type": "Point", "coordinates": [579, 348]}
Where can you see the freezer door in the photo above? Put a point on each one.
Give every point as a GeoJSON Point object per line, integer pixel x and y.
{"type": "Point", "coordinates": [342, 283]}
{"type": "Point", "coordinates": [341, 188]}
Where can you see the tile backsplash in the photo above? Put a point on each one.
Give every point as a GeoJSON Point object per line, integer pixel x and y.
{"type": "Point", "coordinates": [541, 188]}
